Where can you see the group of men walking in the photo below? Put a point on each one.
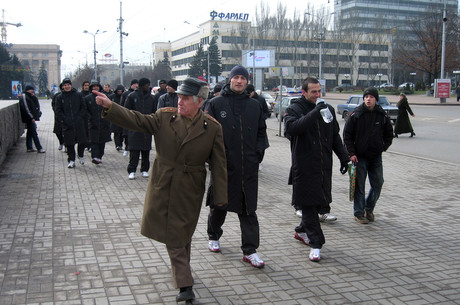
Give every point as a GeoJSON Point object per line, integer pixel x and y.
{"type": "Point", "coordinates": [229, 134]}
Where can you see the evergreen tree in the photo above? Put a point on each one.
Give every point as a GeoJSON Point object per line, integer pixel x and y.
{"type": "Point", "coordinates": [10, 70]}
{"type": "Point", "coordinates": [199, 63]}
{"type": "Point", "coordinates": [215, 60]}
{"type": "Point", "coordinates": [42, 80]}
{"type": "Point", "coordinates": [162, 69]}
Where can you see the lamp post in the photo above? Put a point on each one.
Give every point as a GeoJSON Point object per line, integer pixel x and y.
{"type": "Point", "coordinates": [94, 41]}
{"type": "Point", "coordinates": [380, 78]}
{"type": "Point", "coordinates": [443, 51]}
{"type": "Point", "coordinates": [413, 74]}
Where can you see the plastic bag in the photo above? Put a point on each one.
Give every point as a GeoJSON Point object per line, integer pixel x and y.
{"type": "Point", "coordinates": [352, 174]}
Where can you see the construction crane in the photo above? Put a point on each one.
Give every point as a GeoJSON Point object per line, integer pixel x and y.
{"type": "Point", "coordinates": [3, 23]}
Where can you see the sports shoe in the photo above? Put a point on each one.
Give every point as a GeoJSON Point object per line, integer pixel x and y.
{"type": "Point", "coordinates": [82, 160]}
{"type": "Point", "coordinates": [298, 213]}
{"type": "Point", "coordinates": [315, 255]}
{"type": "Point", "coordinates": [145, 174]}
{"type": "Point", "coordinates": [60, 147]}
{"type": "Point", "coordinates": [31, 150]}
{"type": "Point", "coordinates": [326, 217]}
{"type": "Point", "coordinates": [303, 237]}
{"type": "Point", "coordinates": [361, 219]}
{"type": "Point", "coordinates": [254, 260]}
{"type": "Point", "coordinates": [41, 151]}
{"type": "Point", "coordinates": [132, 176]}
{"type": "Point", "coordinates": [214, 246]}
{"type": "Point", "coordinates": [118, 148]}
{"type": "Point", "coordinates": [370, 216]}
{"type": "Point", "coordinates": [185, 294]}
{"type": "Point", "coordinates": [71, 164]}
{"type": "Point", "coordinates": [125, 153]}
{"type": "Point", "coordinates": [96, 161]}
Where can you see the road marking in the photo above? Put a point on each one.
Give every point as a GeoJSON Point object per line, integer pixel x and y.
{"type": "Point", "coordinates": [453, 121]}
{"type": "Point", "coordinates": [427, 119]}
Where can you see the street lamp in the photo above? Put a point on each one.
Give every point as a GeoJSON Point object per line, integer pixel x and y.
{"type": "Point", "coordinates": [380, 78]}
{"type": "Point", "coordinates": [94, 40]}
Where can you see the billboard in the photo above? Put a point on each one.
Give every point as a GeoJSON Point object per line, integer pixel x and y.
{"type": "Point", "coordinates": [262, 58]}
{"type": "Point", "coordinates": [16, 88]}
{"type": "Point", "coordinates": [442, 88]}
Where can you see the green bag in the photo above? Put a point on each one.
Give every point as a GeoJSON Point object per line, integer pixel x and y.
{"type": "Point", "coordinates": [352, 174]}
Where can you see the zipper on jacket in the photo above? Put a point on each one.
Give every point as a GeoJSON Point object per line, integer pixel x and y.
{"type": "Point", "coordinates": [322, 161]}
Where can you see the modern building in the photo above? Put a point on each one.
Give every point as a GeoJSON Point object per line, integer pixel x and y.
{"type": "Point", "coordinates": [34, 56]}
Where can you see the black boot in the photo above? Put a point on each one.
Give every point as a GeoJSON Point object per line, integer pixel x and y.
{"type": "Point", "coordinates": [185, 294]}
{"type": "Point", "coordinates": [396, 135]}
{"type": "Point", "coordinates": [412, 134]}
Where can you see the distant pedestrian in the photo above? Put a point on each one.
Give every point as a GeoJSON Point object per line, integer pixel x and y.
{"type": "Point", "coordinates": [117, 131]}
{"type": "Point", "coordinates": [133, 86]}
{"type": "Point", "coordinates": [99, 129]}
{"type": "Point", "coordinates": [71, 112]}
{"type": "Point", "coordinates": [169, 99]}
{"type": "Point", "coordinates": [140, 144]}
{"type": "Point", "coordinates": [107, 90]}
{"type": "Point", "coordinates": [30, 114]}
{"type": "Point", "coordinates": [57, 129]}
{"type": "Point", "coordinates": [187, 139]}
{"type": "Point", "coordinates": [215, 92]}
{"type": "Point", "coordinates": [367, 133]}
{"type": "Point", "coordinates": [85, 88]}
{"type": "Point", "coordinates": [457, 91]}
{"type": "Point", "coordinates": [403, 124]}
{"type": "Point", "coordinates": [162, 90]}
{"type": "Point", "coordinates": [313, 130]}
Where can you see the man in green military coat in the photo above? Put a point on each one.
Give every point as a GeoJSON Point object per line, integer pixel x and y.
{"type": "Point", "coordinates": [185, 138]}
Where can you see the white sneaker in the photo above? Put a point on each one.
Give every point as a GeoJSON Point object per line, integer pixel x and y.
{"type": "Point", "coordinates": [214, 246]}
{"type": "Point", "coordinates": [298, 213]}
{"type": "Point", "coordinates": [145, 174]}
{"type": "Point", "coordinates": [260, 166]}
{"type": "Point", "coordinates": [82, 160]}
{"type": "Point", "coordinates": [71, 164]}
{"type": "Point", "coordinates": [132, 176]}
{"type": "Point", "coordinates": [254, 260]}
{"type": "Point", "coordinates": [315, 255]}
{"type": "Point", "coordinates": [125, 153]}
{"type": "Point", "coordinates": [326, 217]}
{"type": "Point", "coordinates": [303, 237]}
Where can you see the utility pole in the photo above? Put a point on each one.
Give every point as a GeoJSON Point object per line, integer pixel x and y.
{"type": "Point", "coordinates": [443, 51]}
{"type": "Point", "coordinates": [3, 23]}
{"type": "Point", "coordinates": [122, 64]}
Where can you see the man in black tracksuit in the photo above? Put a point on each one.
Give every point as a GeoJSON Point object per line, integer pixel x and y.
{"type": "Point", "coordinates": [367, 133]}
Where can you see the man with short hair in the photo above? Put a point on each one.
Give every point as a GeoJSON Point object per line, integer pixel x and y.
{"type": "Point", "coordinates": [162, 83]}
{"type": "Point", "coordinates": [71, 112]}
{"type": "Point", "coordinates": [186, 139]}
{"type": "Point", "coordinates": [140, 144]}
{"type": "Point", "coordinates": [244, 129]}
{"type": "Point", "coordinates": [313, 130]}
{"type": "Point", "coordinates": [30, 113]}
{"type": "Point", "coordinates": [107, 90]}
{"type": "Point", "coordinates": [133, 86]}
{"type": "Point", "coordinates": [367, 133]}
{"type": "Point", "coordinates": [169, 99]}
{"type": "Point", "coordinates": [117, 131]}
{"type": "Point", "coordinates": [85, 88]}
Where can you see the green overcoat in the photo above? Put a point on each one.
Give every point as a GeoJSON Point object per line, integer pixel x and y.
{"type": "Point", "coordinates": [177, 182]}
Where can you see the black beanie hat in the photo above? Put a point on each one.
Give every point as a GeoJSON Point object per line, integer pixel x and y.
{"type": "Point", "coordinates": [134, 81]}
{"type": "Point", "coordinates": [239, 70]}
{"type": "Point", "coordinates": [144, 81]}
{"type": "Point", "coordinates": [173, 84]}
{"type": "Point", "coordinates": [66, 81]}
{"type": "Point", "coordinates": [371, 91]}
{"type": "Point", "coordinates": [29, 87]}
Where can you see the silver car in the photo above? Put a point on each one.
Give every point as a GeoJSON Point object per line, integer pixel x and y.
{"type": "Point", "coordinates": [355, 100]}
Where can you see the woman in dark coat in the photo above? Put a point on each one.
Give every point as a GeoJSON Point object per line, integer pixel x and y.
{"type": "Point", "coordinates": [403, 124]}
{"type": "Point", "coordinates": [99, 129]}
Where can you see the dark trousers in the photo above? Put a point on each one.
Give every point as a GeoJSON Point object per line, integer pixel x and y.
{"type": "Point", "coordinates": [71, 151]}
{"type": "Point", "coordinates": [32, 135]}
{"type": "Point", "coordinates": [180, 266]}
{"type": "Point", "coordinates": [134, 160]}
{"type": "Point", "coordinates": [249, 226]}
{"type": "Point", "coordinates": [118, 138]}
{"type": "Point", "coordinates": [97, 150]}
{"type": "Point", "coordinates": [60, 138]}
{"type": "Point", "coordinates": [374, 169]}
{"type": "Point", "coordinates": [310, 224]}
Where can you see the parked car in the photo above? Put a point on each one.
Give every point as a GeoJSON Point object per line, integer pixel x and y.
{"type": "Point", "coordinates": [343, 87]}
{"type": "Point", "coordinates": [285, 102]}
{"type": "Point", "coordinates": [386, 85]}
{"type": "Point", "coordinates": [403, 86]}
{"type": "Point", "coordinates": [269, 99]}
{"type": "Point", "coordinates": [355, 100]}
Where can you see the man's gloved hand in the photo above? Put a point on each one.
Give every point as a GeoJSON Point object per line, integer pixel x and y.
{"type": "Point", "coordinates": [344, 167]}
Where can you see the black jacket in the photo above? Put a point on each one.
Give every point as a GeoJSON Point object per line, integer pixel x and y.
{"type": "Point", "coordinates": [31, 109]}
{"type": "Point", "coordinates": [312, 143]}
{"type": "Point", "coordinates": [368, 133]}
{"type": "Point", "coordinates": [142, 102]}
{"type": "Point", "coordinates": [157, 96]}
{"type": "Point", "coordinates": [71, 112]}
{"type": "Point", "coordinates": [114, 97]}
{"type": "Point", "coordinates": [244, 129]}
{"type": "Point", "coordinates": [99, 129]}
{"type": "Point", "coordinates": [168, 100]}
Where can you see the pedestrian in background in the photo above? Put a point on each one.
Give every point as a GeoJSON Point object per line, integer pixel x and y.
{"type": "Point", "coordinates": [117, 131]}
{"type": "Point", "coordinates": [185, 140]}
{"type": "Point", "coordinates": [313, 130]}
{"type": "Point", "coordinates": [133, 86]}
{"type": "Point", "coordinates": [213, 93]}
{"type": "Point", "coordinates": [170, 98]}
{"type": "Point", "coordinates": [367, 133]}
{"type": "Point", "coordinates": [403, 124]}
{"type": "Point", "coordinates": [71, 113]}
{"type": "Point", "coordinates": [162, 90]}
{"type": "Point", "coordinates": [457, 91]}
{"type": "Point", "coordinates": [245, 135]}
{"type": "Point", "coordinates": [57, 129]}
{"type": "Point", "coordinates": [30, 114]}
{"type": "Point", "coordinates": [140, 144]}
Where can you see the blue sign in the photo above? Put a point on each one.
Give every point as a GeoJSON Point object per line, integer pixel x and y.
{"type": "Point", "coordinates": [229, 16]}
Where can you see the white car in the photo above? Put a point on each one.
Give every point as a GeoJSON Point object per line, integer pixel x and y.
{"type": "Point", "coordinates": [403, 86]}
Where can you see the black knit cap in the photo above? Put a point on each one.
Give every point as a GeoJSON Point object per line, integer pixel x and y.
{"type": "Point", "coordinates": [134, 81]}
{"type": "Point", "coordinates": [66, 81]}
{"type": "Point", "coordinates": [371, 91]}
{"type": "Point", "coordinates": [29, 87]}
{"type": "Point", "coordinates": [239, 70]}
{"type": "Point", "coordinates": [162, 82]}
{"type": "Point", "coordinates": [173, 84]}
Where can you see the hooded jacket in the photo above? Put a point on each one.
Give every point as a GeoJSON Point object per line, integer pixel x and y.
{"type": "Point", "coordinates": [143, 103]}
{"type": "Point", "coordinates": [99, 129]}
{"type": "Point", "coordinates": [71, 112]}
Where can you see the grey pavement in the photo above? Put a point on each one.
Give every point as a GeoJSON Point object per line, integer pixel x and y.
{"type": "Point", "coordinates": [71, 236]}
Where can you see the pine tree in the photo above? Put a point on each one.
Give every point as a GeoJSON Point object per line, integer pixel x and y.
{"type": "Point", "coordinates": [42, 80]}
{"type": "Point", "coordinates": [215, 60]}
{"type": "Point", "coordinates": [199, 63]}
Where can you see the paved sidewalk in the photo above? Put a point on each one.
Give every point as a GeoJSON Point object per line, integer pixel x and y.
{"type": "Point", "coordinates": [71, 236]}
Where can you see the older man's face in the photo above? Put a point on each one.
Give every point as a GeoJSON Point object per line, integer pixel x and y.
{"type": "Point", "coordinates": [187, 107]}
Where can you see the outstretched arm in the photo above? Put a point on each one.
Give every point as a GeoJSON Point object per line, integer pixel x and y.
{"type": "Point", "coordinates": [102, 99]}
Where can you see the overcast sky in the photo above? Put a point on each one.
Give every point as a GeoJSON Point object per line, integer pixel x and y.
{"type": "Point", "coordinates": [146, 21]}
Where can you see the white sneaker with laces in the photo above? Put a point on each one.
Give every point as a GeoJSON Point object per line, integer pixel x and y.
{"type": "Point", "coordinates": [326, 217]}
{"type": "Point", "coordinates": [315, 255]}
{"type": "Point", "coordinates": [214, 246]}
{"type": "Point", "coordinates": [298, 213]}
{"type": "Point", "coordinates": [254, 260]}
{"type": "Point", "coordinates": [125, 153]}
{"type": "Point", "coordinates": [82, 160]}
{"type": "Point", "coordinates": [132, 176]}
{"type": "Point", "coordinates": [145, 174]}
{"type": "Point", "coordinates": [303, 237]}
{"type": "Point", "coordinates": [71, 164]}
